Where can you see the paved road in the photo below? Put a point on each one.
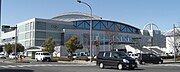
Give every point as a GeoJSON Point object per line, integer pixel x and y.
{"type": "Point", "coordinates": [59, 67]}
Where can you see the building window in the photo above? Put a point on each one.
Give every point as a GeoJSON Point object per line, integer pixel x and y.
{"type": "Point", "coordinates": [40, 34]}
{"type": "Point", "coordinates": [41, 25]}
{"type": "Point", "coordinates": [27, 27]}
{"type": "Point", "coordinates": [32, 25]}
{"type": "Point", "coordinates": [27, 35]}
{"type": "Point", "coordinates": [27, 43]}
{"type": "Point", "coordinates": [38, 42]}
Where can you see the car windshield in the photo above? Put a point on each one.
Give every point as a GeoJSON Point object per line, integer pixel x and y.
{"type": "Point", "coordinates": [136, 54]}
{"type": "Point", "coordinates": [45, 54]}
{"type": "Point", "coordinates": [74, 54]}
{"type": "Point", "coordinates": [122, 54]}
{"type": "Point", "coordinates": [12, 54]}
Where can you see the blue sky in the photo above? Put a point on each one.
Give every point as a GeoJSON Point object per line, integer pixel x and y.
{"type": "Point", "coordinates": [137, 13]}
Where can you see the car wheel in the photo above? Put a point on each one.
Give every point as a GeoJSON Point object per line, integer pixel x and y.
{"type": "Point", "coordinates": [37, 60]}
{"type": "Point", "coordinates": [143, 62]}
{"type": "Point", "coordinates": [120, 67]}
{"type": "Point", "coordinates": [160, 62]}
{"type": "Point", "coordinates": [132, 68]}
{"type": "Point", "coordinates": [48, 60]}
{"type": "Point", "coordinates": [101, 65]}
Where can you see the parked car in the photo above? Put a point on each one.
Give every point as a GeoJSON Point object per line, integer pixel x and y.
{"type": "Point", "coordinates": [12, 56]}
{"type": "Point", "coordinates": [43, 56]}
{"type": "Point", "coordinates": [116, 59]}
{"type": "Point", "coordinates": [149, 58]}
{"type": "Point", "coordinates": [75, 55]}
{"type": "Point", "coordinates": [2, 56]}
{"type": "Point", "coordinates": [134, 56]}
{"type": "Point", "coordinates": [80, 55]}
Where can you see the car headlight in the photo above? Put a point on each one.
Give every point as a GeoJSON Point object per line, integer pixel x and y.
{"type": "Point", "coordinates": [161, 59]}
{"type": "Point", "coordinates": [125, 61]}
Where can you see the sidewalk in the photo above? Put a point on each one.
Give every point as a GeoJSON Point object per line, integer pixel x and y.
{"type": "Point", "coordinates": [167, 61]}
{"type": "Point", "coordinates": [24, 60]}
{"type": "Point", "coordinates": [29, 60]}
{"type": "Point", "coordinates": [79, 62]}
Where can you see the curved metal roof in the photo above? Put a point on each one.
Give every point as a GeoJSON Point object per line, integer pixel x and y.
{"type": "Point", "coordinates": [73, 16]}
{"type": "Point", "coordinates": [82, 19]}
{"type": "Point", "coordinates": [106, 25]}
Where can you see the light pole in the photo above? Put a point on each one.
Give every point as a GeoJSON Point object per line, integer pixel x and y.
{"type": "Point", "coordinates": [16, 43]}
{"type": "Point", "coordinates": [90, 27]}
{"type": "Point", "coordinates": [174, 42]}
{"type": "Point", "coordinates": [0, 14]}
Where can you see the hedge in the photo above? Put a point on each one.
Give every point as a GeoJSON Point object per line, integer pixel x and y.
{"type": "Point", "coordinates": [169, 57]}
{"type": "Point", "coordinates": [70, 59]}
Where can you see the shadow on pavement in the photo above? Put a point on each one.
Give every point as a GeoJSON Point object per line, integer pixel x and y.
{"type": "Point", "coordinates": [170, 62]}
{"type": "Point", "coordinates": [136, 69]}
{"type": "Point", "coordinates": [16, 70]}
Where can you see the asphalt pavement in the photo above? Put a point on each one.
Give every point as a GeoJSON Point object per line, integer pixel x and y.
{"type": "Point", "coordinates": [62, 67]}
{"type": "Point", "coordinates": [80, 66]}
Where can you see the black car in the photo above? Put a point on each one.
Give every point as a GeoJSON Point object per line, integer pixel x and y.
{"type": "Point", "coordinates": [116, 59]}
{"type": "Point", "coordinates": [149, 58]}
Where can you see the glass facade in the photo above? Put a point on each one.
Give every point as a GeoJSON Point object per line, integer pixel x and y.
{"type": "Point", "coordinates": [48, 30]}
{"type": "Point", "coordinates": [106, 40]}
{"type": "Point", "coordinates": [35, 32]}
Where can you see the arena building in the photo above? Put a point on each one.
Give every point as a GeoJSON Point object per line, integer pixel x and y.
{"type": "Point", "coordinates": [110, 34]}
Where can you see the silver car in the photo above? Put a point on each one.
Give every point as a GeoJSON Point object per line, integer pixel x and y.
{"type": "Point", "coordinates": [2, 56]}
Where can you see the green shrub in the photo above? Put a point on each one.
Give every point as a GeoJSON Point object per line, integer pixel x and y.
{"type": "Point", "coordinates": [85, 59]}
{"type": "Point", "coordinates": [70, 59]}
{"type": "Point", "coordinates": [169, 57]}
{"type": "Point", "coordinates": [94, 59]}
{"type": "Point", "coordinates": [178, 58]}
{"type": "Point", "coordinates": [54, 59]}
{"type": "Point", "coordinates": [64, 59]}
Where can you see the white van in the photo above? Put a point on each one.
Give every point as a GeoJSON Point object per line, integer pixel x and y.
{"type": "Point", "coordinates": [134, 56]}
{"type": "Point", "coordinates": [43, 56]}
{"type": "Point", "coordinates": [12, 56]}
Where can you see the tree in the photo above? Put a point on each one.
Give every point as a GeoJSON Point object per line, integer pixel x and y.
{"type": "Point", "coordinates": [72, 45]}
{"type": "Point", "coordinates": [48, 45]}
{"type": "Point", "coordinates": [8, 48]}
{"type": "Point", "coordinates": [1, 48]}
{"type": "Point", "coordinates": [11, 48]}
{"type": "Point", "coordinates": [111, 35]}
{"type": "Point", "coordinates": [19, 47]}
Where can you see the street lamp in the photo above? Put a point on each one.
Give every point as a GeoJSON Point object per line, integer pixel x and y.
{"type": "Point", "coordinates": [16, 43]}
{"type": "Point", "coordinates": [174, 42]}
{"type": "Point", "coordinates": [90, 27]}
